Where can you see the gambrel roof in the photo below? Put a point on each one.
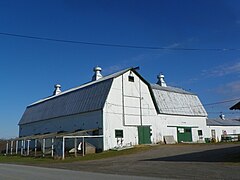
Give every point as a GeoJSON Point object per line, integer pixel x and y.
{"type": "Point", "coordinates": [92, 97]}
{"type": "Point", "coordinates": [85, 98]}
{"type": "Point", "coordinates": [176, 101]}
{"type": "Point", "coordinates": [81, 100]}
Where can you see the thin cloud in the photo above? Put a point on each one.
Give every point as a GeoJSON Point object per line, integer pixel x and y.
{"type": "Point", "coordinates": [183, 44]}
{"type": "Point", "coordinates": [174, 45]}
{"type": "Point", "coordinates": [232, 88]}
{"type": "Point", "coordinates": [126, 63]}
{"type": "Point", "coordinates": [216, 72]}
{"type": "Point", "coordinates": [113, 69]}
{"type": "Point", "coordinates": [222, 70]}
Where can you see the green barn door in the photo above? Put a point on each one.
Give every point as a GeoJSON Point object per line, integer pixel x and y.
{"type": "Point", "coordinates": [144, 135]}
{"type": "Point", "coordinates": [184, 134]}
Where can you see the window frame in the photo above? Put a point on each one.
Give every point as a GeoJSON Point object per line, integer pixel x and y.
{"type": "Point", "coordinates": [200, 134]}
{"type": "Point", "coordinates": [131, 78]}
{"type": "Point", "coordinates": [118, 133]}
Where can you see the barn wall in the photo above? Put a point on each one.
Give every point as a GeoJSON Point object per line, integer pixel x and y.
{"type": "Point", "coordinates": [71, 123]}
{"type": "Point", "coordinates": [136, 95]}
{"type": "Point", "coordinates": [170, 122]}
{"type": "Point", "coordinates": [219, 130]}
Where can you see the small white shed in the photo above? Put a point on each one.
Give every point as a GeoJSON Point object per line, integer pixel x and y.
{"type": "Point", "coordinates": [224, 128]}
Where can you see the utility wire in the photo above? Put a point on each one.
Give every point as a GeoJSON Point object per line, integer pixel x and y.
{"type": "Point", "coordinates": [203, 105]}
{"type": "Point", "coordinates": [224, 112]}
{"type": "Point", "coordinates": [209, 104]}
{"type": "Point", "coordinates": [222, 102]}
{"type": "Point", "coordinates": [116, 45]}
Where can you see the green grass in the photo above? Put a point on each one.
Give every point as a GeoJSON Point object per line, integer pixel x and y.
{"type": "Point", "coordinates": [40, 160]}
{"type": "Point", "coordinates": [103, 155]}
{"type": "Point", "coordinates": [24, 160]}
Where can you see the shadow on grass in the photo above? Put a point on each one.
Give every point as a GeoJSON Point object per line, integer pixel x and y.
{"type": "Point", "coordinates": [231, 154]}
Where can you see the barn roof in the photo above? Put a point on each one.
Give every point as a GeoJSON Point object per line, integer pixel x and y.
{"type": "Point", "coordinates": [85, 98]}
{"type": "Point", "coordinates": [176, 101]}
{"type": "Point", "coordinates": [92, 96]}
{"type": "Point", "coordinates": [236, 106]}
{"type": "Point", "coordinates": [220, 122]}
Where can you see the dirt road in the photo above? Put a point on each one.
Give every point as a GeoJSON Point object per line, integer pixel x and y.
{"type": "Point", "coordinates": [207, 161]}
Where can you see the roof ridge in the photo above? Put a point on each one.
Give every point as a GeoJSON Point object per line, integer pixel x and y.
{"type": "Point", "coordinates": [171, 89]}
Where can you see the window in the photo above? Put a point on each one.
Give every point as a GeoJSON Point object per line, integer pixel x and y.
{"type": "Point", "coordinates": [118, 133]}
{"type": "Point", "coordinates": [199, 132]}
{"type": "Point", "coordinates": [213, 132]}
{"type": "Point", "coordinates": [224, 132]}
{"type": "Point", "coordinates": [131, 78]}
{"type": "Point", "coordinates": [181, 130]}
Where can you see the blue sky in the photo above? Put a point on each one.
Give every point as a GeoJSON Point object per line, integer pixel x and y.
{"type": "Point", "coordinates": [29, 68]}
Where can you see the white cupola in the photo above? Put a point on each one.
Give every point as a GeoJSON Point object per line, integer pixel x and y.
{"type": "Point", "coordinates": [161, 80]}
{"type": "Point", "coordinates": [222, 116]}
{"type": "Point", "coordinates": [57, 89]}
{"type": "Point", "coordinates": [97, 73]}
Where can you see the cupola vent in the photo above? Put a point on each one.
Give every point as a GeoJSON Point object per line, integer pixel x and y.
{"type": "Point", "coordinates": [97, 73]}
{"type": "Point", "coordinates": [161, 80]}
{"type": "Point", "coordinates": [57, 89]}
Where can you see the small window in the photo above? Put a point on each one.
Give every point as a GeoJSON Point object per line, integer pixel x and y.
{"type": "Point", "coordinates": [118, 133]}
{"type": "Point", "coordinates": [131, 78]}
{"type": "Point", "coordinates": [181, 130]}
{"type": "Point", "coordinates": [199, 132]}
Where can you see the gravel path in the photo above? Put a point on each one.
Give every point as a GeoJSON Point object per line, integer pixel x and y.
{"type": "Point", "coordinates": [203, 161]}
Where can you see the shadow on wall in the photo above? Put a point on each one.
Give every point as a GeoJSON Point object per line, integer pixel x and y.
{"type": "Point", "coordinates": [231, 154]}
{"type": "Point", "coordinates": [3, 146]}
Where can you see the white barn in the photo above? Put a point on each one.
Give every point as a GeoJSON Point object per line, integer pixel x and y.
{"type": "Point", "coordinates": [123, 107]}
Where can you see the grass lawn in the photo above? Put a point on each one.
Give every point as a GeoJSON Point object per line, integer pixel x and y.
{"type": "Point", "coordinates": [42, 160]}
{"type": "Point", "coordinates": [106, 154]}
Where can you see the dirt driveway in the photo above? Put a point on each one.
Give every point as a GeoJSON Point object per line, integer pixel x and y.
{"type": "Point", "coordinates": [205, 161]}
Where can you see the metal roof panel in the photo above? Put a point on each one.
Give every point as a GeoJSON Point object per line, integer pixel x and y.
{"type": "Point", "coordinates": [221, 122]}
{"type": "Point", "coordinates": [175, 101]}
{"type": "Point", "coordinates": [85, 99]}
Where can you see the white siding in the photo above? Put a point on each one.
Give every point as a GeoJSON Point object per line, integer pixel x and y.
{"type": "Point", "coordinates": [170, 122]}
{"type": "Point", "coordinates": [135, 94]}
{"type": "Point", "coordinates": [71, 123]}
{"type": "Point", "coordinates": [220, 129]}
